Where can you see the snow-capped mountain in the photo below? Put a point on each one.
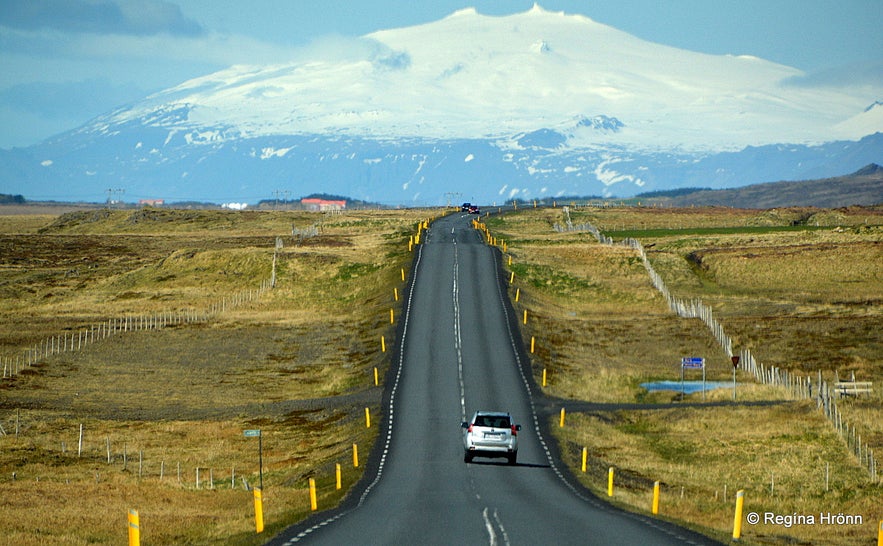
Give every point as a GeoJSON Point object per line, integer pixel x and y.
{"type": "Point", "coordinates": [530, 105]}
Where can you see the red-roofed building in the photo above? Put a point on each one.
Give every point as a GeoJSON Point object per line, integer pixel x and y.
{"type": "Point", "coordinates": [322, 205]}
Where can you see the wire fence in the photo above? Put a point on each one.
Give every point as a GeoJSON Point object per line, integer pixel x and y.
{"type": "Point", "coordinates": [82, 338]}
{"type": "Point", "coordinates": [797, 386]}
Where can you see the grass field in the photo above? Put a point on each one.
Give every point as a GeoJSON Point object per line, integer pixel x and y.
{"type": "Point", "coordinates": [803, 289]}
{"type": "Point", "coordinates": [158, 406]}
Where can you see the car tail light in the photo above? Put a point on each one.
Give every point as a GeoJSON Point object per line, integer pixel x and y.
{"type": "Point", "coordinates": [514, 430]}
{"type": "Point", "coordinates": [470, 428]}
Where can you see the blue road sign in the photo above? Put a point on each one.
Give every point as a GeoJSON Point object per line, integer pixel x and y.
{"type": "Point", "coordinates": [693, 362]}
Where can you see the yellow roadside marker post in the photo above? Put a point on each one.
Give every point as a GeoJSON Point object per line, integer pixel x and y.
{"type": "Point", "coordinates": [314, 505]}
{"type": "Point", "coordinates": [134, 528]}
{"type": "Point", "coordinates": [655, 508]}
{"type": "Point", "coordinates": [258, 511]}
{"type": "Point", "coordinates": [737, 519]}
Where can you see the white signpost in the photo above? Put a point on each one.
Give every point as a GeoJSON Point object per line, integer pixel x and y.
{"type": "Point", "coordinates": [257, 433]}
{"type": "Point", "coordinates": [693, 363]}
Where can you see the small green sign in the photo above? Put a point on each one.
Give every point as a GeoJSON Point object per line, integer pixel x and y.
{"type": "Point", "coordinates": [252, 433]}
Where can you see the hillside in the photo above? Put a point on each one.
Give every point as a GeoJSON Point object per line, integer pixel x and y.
{"type": "Point", "coordinates": [863, 187]}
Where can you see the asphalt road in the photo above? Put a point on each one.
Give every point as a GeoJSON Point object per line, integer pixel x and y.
{"type": "Point", "coordinates": [458, 352]}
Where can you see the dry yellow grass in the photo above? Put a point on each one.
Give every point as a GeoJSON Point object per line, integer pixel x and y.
{"type": "Point", "coordinates": [802, 298]}
{"type": "Point", "coordinates": [703, 456]}
{"type": "Point", "coordinates": [297, 364]}
{"type": "Point", "coordinates": [600, 326]}
{"type": "Point", "coordinates": [60, 498]}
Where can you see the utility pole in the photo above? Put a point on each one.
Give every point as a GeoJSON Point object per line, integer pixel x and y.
{"type": "Point", "coordinates": [283, 193]}
{"type": "Point", "coordinates": [453, 197]}
{"type": "Point", "coordinates": [111, 200]}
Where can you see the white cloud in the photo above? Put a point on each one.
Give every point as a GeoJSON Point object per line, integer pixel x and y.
{"type": "Point", "coordinates": [850, 75]}
{"type": "Point", "coordinates": [213, 48]}
{"type": "Point", "coordinates": [52, 80]}
{"type": "Point", "coordinates": [137, 17]}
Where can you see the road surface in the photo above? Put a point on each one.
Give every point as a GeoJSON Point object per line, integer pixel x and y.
{"type": "Point", "coordinates": [459, 351]}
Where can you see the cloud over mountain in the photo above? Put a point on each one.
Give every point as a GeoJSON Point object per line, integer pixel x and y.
{"type": "Point", "coordinates": [472, 76]}
{"type": "Point", "coordinates": [141, 17]}
{"type": "Point", "coordinates": [541, 103]}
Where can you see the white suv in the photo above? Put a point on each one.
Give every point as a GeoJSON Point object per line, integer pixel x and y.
{"type": "Point", "coordinates": [490, 434]}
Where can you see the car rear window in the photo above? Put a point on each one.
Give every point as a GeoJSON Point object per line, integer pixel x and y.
{"type": "Point", "coordinates": [496, 421]}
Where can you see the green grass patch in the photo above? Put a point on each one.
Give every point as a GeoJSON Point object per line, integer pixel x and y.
{"type": "Point", "coordinates": [643, 234]}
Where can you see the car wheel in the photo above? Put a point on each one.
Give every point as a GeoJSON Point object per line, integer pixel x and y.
{"type": "Point", "coordinates": [467, 457]}
{"type": "Point", "coordinates": [512, 458]}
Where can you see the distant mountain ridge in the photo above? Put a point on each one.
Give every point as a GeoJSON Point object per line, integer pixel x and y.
{"type": "Point", "coordinates": [531, 105]}
{"type": "Point", "coordinates": [861, 188]}
{"type": "Point", "coordinates": [869, 170]}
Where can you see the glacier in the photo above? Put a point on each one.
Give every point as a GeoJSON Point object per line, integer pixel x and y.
{"type": "Point", "coordinates": [540, 103]}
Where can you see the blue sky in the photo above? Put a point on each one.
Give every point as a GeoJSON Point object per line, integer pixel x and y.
{"type": "Point", "coordinates": [63, 62]}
